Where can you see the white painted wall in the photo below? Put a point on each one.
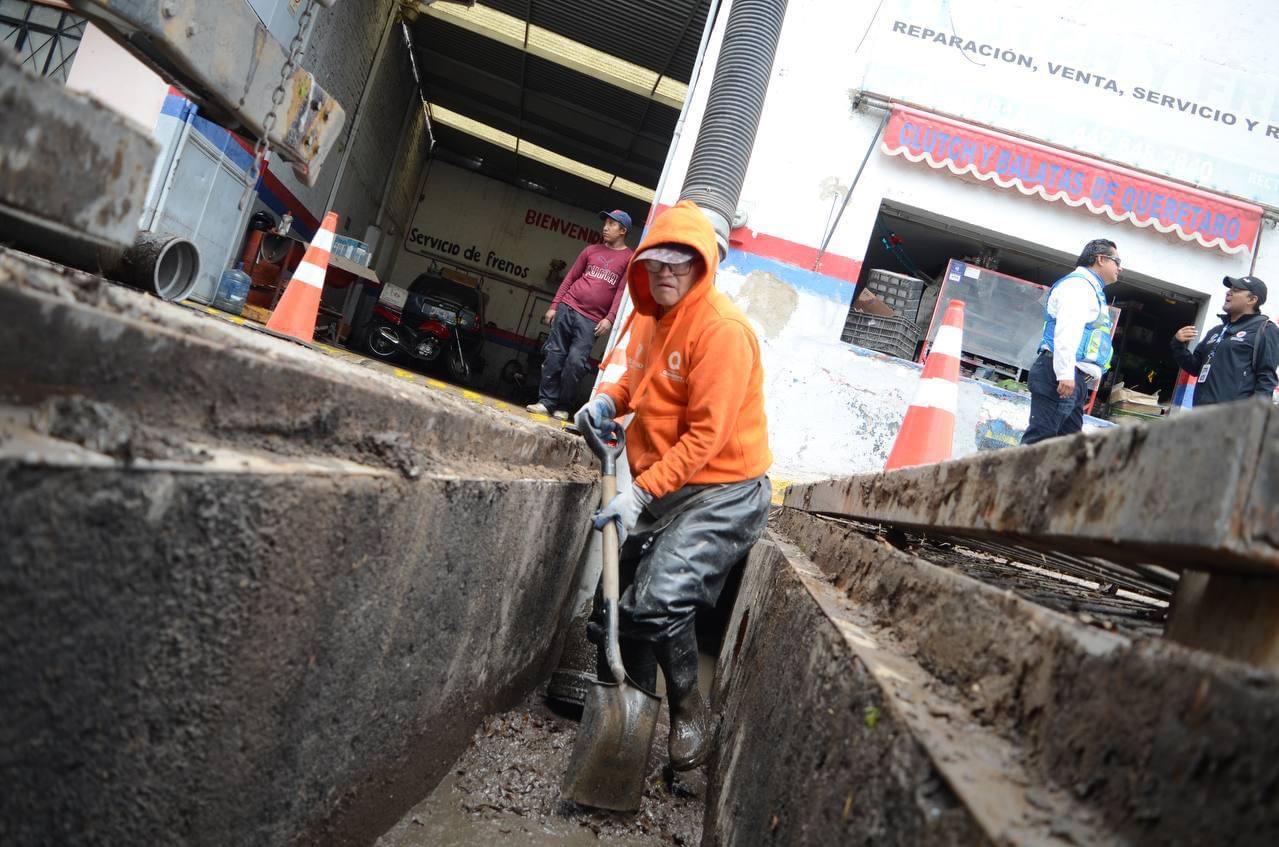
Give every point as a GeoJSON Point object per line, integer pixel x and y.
{"type": "Point", "coordinates": [1216, 62]}
{"type": "Point", "coordinates": [505, 230]}
{"type": "Point", "coordinates": [111, 74]}
{"type": "Point", "coordinates": [503, 235]}
{"type": "Point", "coordinates": [810, 139]}
{"type": "Point", "coordinates": [811, 142]}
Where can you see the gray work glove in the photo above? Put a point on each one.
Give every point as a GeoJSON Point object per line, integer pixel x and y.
{"type": "Point", "coordinates": [599, 410]}
{"type": "Point", "coordinates": [625, 508]}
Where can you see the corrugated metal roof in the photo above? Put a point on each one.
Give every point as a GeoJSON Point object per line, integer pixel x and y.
{"type": "Point", "coordinates": [495, 162]}
{"type": "Point", "coordinates": [652, 33]}
{"type": "Point", "coordinates": [566, 111]}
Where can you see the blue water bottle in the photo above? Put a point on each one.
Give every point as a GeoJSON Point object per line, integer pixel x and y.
{"type": "Point", "coordinates": [233, 290]}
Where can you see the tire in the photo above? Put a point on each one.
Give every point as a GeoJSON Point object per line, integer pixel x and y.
{"type": "Point", "coordinates": [383, 341]}
{"type": "Point", "coordinates": [459, 370]}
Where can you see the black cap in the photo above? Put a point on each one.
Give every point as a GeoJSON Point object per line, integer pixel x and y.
{"type": "Point", "coordinates": [1247, 283]}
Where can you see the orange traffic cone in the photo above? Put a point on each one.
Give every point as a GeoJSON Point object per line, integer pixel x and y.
{"type": "Point", "coordinates": [295, 313]}
{"type": "Point", "coordinates": [928, 430]}
{"type": "Point", "coordinates": [613, 368]}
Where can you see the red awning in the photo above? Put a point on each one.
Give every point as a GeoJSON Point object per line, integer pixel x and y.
{"type": "Point", "coordinates": [1059, 175]}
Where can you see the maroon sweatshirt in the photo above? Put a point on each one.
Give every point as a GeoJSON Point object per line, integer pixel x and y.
{"type": "Point", "coordinates": [593, 286]}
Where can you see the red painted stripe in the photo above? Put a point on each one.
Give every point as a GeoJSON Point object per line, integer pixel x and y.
{"type": "Point", "coordinates": [792, 253]}
{"type": "Point", "coordinates": [789, 252]}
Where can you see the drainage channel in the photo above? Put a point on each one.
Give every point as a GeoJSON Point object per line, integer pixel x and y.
{"type": "Point", "coordinates": [504, 790]}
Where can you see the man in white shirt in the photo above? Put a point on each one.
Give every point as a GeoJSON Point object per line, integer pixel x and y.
{"type": "Point", "coordinates": [1075, 351]}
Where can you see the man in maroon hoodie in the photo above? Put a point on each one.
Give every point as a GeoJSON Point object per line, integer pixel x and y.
{"type": "Point", "coordinates": [584, 308]}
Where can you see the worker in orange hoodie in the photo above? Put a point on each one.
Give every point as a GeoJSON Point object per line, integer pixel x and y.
{"type": "Point", "coordinates": [698, 453]}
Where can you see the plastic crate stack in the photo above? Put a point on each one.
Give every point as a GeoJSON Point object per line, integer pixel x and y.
{"type": "Point", "coordinates": [894, 336]}
{"type": "Point", "coordinates": [898, 335]}
{"type": "Point", "coordinates": [899, 291]}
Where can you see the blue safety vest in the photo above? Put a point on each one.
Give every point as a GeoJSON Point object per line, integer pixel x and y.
{"type": "Point", "coordinates": [1095, 346]}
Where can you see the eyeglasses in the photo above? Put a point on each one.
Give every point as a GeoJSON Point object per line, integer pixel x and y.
{"type": "Point", "coordinates": [1115, 259]}
{"type": "Point", "coordinates": [677, 268]}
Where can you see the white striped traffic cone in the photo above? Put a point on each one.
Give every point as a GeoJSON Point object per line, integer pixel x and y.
{"type": "Point", "coordinates": [928, 429]}
{"type": "Point", "coordinates": [296, 312]}
{"type": "Point", "coordinates": [613, 367]}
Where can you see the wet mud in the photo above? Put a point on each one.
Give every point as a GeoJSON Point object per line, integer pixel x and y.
{"type": "Point", "coordinates": [505, 790]}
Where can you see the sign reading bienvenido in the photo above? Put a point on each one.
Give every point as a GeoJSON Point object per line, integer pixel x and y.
{"type": "Point", "coordinates": [468, 219]}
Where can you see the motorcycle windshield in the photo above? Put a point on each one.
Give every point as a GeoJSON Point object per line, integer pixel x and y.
{"type": "Point", "coordinates": [444, 300]}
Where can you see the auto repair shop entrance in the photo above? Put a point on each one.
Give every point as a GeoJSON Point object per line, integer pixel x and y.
{"type": "Point", "coordinates": [542, 114]}
{"type": "Point", "coordinates": [911, 254]}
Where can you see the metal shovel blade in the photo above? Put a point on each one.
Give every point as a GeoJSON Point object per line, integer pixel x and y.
{"type": "Point", "coordinates": [610, 755]}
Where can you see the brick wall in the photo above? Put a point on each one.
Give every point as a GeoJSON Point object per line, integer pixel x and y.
{"type": "Point", "coordinates": [389, 151]}
{"type": "Point", "coordinates": [340, 53]}
{"type": "Point", "coordinates": [402, 194]}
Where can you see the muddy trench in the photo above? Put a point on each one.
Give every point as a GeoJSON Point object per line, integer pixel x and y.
{"type": "Point", "coordinates": [505, 789]}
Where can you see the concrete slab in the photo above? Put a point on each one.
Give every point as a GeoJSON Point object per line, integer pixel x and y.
{"type": "Point", "coordinates": [1196, 491]}
{"type": "Point", "coordinates": [252, 594]}
{"type": "Point", "coordinates": [1097, 738]}
{"type": "Point", "coordinates": [832, 733]}
{"type": "Point", "coordinates": [70, 332]}
{"type": "Point", "coordinates": [73, 173]}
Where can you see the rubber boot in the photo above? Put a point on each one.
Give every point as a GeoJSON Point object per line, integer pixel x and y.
{"type": "Point", "coordinates": [637, 658]}
{"type": "Point", "coordinates": [690, 740]}
{"type": "Point", "coordinates": [641, 663]}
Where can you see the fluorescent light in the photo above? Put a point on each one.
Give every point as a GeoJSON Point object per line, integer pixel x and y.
{"type": "Point", "coordinates": [564, 163]}
{"type": "Point", "coordinates": [633, 189]}
{"type": "Point", "coordinates": [537, 153]}
{"type": "Point", "coordinates": [671, 91]}
{"type": "Point", "coordinates": [462, 123]}
{"type": "Point", "coordinates": [539, 41]}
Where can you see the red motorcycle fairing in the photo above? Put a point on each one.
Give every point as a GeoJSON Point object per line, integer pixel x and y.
{"type": "Point", "coordinates": [435, 328]}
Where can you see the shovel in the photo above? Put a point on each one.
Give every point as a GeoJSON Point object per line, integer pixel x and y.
{"type": "Point", "coordinates": [610, 755]}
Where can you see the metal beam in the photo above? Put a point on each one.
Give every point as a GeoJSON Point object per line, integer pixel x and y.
{"type": "Point", "coordinates": [222, 57]}
{"type": "Point", "coordinates": [1198, 491]}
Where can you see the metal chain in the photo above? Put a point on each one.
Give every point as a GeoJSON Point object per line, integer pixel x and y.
{"type": "Point", "coordinates": [263, 147]}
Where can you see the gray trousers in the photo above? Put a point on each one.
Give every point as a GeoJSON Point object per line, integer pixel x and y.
{"type": "Point", "coordinates": [680, 553]}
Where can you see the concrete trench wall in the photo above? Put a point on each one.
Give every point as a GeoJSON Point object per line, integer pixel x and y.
{"type": "Point", "coordinates": [227, 626]}
{"type": "Point", "coordinates": [809, 750]}
{"type": "Point", "coordinates": [1046, 730]}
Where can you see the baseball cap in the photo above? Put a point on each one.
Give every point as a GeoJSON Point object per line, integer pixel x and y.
{"type": "Point", "coordinates": [1247, 283]}
{"type": "Point", "coordinates": [672, 253]}
{"type": "Point", "coordinates": [619, 216]}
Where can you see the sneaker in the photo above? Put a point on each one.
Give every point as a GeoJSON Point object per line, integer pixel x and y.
{"type": "Point", "coordinates": [561, 415]}
{"type": "Point", "coordinates": [537, 409]}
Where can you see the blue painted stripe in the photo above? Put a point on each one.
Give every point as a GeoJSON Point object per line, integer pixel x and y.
{"type": "Point", "coordinates": [177, 106]}
{"type": "Point", "coordinates": [828, 287]}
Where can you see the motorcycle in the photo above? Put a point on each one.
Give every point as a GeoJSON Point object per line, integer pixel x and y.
{"type": "Point", "coordinates": [440, 324]}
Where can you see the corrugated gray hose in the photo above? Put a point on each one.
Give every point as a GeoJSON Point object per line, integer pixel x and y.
{"type": "Point", "coordinates": [727, 134]}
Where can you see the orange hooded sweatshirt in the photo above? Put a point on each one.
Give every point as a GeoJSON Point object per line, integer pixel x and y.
{"type": "Point", "coordinates": [693, 376]}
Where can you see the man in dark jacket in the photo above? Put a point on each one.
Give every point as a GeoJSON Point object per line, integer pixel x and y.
{"type": "Point", "coordinates": [1237, 359]}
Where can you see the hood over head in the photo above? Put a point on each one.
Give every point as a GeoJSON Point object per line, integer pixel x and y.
{"type": "Point", "coordinates": [684, 224]}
